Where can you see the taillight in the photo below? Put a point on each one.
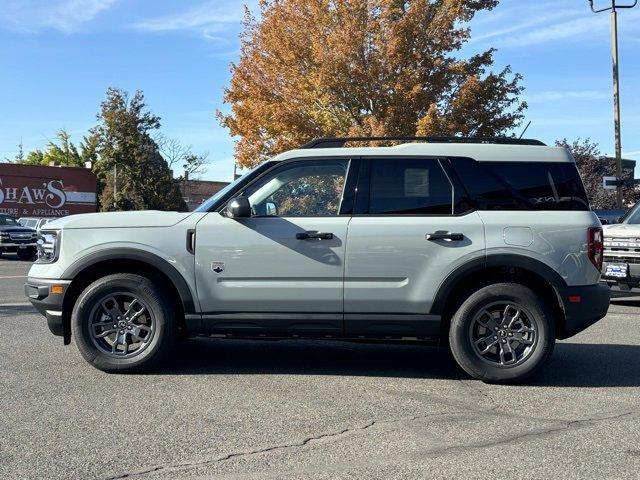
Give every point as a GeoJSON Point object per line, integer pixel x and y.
{"type": "Point", "coordinates": [595, 246]}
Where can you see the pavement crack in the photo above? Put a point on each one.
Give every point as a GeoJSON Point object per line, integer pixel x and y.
{"type": "Point", "coordinates": [296, 444]}
{"type": "Point", "coordinates": [302, 443]}
{"type": "Point", "coordinates": [559, 427]}
{"type": "Point", "coordinates": [540, 433]}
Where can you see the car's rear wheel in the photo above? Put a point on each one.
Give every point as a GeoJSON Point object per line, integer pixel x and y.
{"type": "Point", "coordinates": [26, 253]}
{"type": "Point", "coordinates": [124, 322]}
{"type": "Point", "coordinates": [502, 333]}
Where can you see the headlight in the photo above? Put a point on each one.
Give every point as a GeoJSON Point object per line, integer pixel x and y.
{"type": "Point", "coordinates": [48, 246]}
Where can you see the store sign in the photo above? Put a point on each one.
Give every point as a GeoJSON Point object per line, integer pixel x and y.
{"type": "Point", "coordinates": [35, 196]}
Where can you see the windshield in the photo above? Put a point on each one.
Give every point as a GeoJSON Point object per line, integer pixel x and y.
{"type": "Point", "coordinates": [212, 202]}
{"type": "Point", "coordinates": [632, 216]}
{"type": "Point", "coordinates": [5, 220]}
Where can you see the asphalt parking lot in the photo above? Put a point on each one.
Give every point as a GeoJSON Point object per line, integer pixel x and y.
{"type": "Point", "coordinates": [293, 409]}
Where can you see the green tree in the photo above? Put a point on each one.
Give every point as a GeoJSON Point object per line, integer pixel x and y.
{"type": "Point", "coordinates": [312, 68]}
{"type": "Point", "coordinates": [132, 173]}
{"type": "Point", "coordinates": [19, 156]}
{"type": "Point", "coordinates": [63, 152]}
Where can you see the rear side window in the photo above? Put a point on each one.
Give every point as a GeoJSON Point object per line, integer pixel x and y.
{"type": "Point", "coordinates": [522, 186]}
{"type": "Point", "coordinates": [409, 186]}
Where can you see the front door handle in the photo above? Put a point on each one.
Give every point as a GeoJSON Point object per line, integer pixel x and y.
{"type": "Point", "coordinates": [314, 234]}
{"type": "Point", "coordinates": [444, 235]}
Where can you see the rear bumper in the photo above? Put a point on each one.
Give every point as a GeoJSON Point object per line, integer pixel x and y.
{"type": "Point", "coordinates": [583, 306]}
{"type": "Point", "coordinates": [38, 291]}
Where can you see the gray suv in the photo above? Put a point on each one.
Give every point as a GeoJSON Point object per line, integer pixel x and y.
{"type": "Point", "coordinates": [485, 245]}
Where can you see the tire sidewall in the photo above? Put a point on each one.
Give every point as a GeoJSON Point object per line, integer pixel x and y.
{"type": "Point", "coordinates": [461, 342]}
{"type": "Point", "coordinates": [149, 294]}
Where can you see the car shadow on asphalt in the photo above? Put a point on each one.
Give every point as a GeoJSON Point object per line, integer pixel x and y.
{"type": "Point", "coordinates": [309, 357]}
{"type": "Point", "coordinates": [572, 364]}
{"type": "Point", "coordinates": [592, 365]}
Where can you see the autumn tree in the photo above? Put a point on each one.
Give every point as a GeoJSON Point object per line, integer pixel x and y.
{"type": "Point", "coordinates": [593, 165]}
{"type": "Point", "coordinates": [311, 68]}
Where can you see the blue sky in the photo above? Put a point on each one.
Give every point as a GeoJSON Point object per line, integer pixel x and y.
{"type": "Point", "coordinates": [59, 56]}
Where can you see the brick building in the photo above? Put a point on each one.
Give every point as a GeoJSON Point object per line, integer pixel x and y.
{"type": "Point", "coordinates": [195, 192]}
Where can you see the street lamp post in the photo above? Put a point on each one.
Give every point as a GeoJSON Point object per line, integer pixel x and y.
{"type": "Point", "coordinates": [616, 85]}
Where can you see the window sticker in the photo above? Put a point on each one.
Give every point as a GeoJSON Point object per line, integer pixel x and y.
{"type": "Point", "coordinates": [416, 182]}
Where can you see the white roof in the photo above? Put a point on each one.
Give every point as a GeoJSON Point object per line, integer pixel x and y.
{"type": "Point", "coordinates": [484, 152]}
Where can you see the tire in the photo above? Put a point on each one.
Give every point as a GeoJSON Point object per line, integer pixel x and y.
{"type": "Point", "coordinates": [151, 319]}
{"type": "Point", "coordinates": [27, 253]}
{"type": "Point", "coordinates": [520, 351]}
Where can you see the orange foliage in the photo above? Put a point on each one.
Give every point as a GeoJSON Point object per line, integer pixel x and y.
{"type": "Point", "coordinates": [312, 68]}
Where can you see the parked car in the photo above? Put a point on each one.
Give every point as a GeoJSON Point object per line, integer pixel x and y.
{"type": "Point", "coordinates": [608, 217]}
{"type": "Point", "coordinates": [622, 251]}
{"type": "Point", "coordinates": [488, 245]}
{"type": "Point", "coordinates": [34, 222]}
{"type": "Point", "coordinates": [14, 238]}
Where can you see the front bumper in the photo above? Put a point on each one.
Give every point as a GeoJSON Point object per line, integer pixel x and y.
{"type": "Point", "coordinates": [583, 306]}
{"type": "Point", "coordinates": [16, 245]}
{"type": "Point", "coordinates": [38, 291]}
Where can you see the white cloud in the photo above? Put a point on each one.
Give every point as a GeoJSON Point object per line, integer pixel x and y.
{"type": "Point", "coordinates": [570, 29]}
{"type": "Point", "coordinates": [557, 95]}
{"type": "Point", "coordinates": [208, 19]}
{"type": "Point", "coordinates": [516, 24]}
{"type": "Point", "coordinates": [63, 15]}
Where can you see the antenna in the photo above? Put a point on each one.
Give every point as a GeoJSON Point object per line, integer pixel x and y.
{"type": "Point", "coordinates": [525, 129]}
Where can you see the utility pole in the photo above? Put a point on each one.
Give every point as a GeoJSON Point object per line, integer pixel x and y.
{"type": "Point", "coordinates": [616, 86]}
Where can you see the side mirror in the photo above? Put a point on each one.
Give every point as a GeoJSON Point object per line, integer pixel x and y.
{"type": "Point", "coordinates": [239, 207]}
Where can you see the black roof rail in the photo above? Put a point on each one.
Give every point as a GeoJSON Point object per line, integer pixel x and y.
{"type": "Point", "coordinates": [339, 142]}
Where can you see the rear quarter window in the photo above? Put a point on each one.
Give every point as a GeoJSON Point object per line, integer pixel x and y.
{"type": "Point", "coordinates": [522, 185]}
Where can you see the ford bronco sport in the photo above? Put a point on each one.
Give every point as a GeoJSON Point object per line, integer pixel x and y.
{"type": "Point", "coordinates": [487, 245]}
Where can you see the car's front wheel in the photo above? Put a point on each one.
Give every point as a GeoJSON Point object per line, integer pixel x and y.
{"type": "Point", "coordinates": [502, 333]}
{"type": "Point", "coordinates": [123, 323]}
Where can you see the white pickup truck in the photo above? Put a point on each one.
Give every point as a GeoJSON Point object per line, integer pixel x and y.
{"type": "Point", "coordinates": [621, 266]}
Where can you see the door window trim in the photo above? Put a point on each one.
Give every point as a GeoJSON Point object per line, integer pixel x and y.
{"type": "Point", "coordinates": [361, 206]}
{"type": "Point", "coordinates": [348, 191]}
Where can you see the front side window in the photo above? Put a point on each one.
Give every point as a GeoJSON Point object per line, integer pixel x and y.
{"type": "Point", "coordinates": [307, 188]}
{"type": "Point", "coordinates": [409, 186]}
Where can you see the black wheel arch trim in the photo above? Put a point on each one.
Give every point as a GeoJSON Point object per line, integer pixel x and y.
{"type": "Point", "coordinates": [496, 260]}
{"type": "Point", "coordinates": [142, 256]}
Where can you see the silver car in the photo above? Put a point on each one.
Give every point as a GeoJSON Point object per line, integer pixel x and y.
{"type": "Point", "coordinates": [485, 245]}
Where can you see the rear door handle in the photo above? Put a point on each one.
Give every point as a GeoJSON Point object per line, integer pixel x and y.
{"type": "Point", "coordinates": [444, 235]}
{"type": "Point", "coordinates": [314, 234]}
